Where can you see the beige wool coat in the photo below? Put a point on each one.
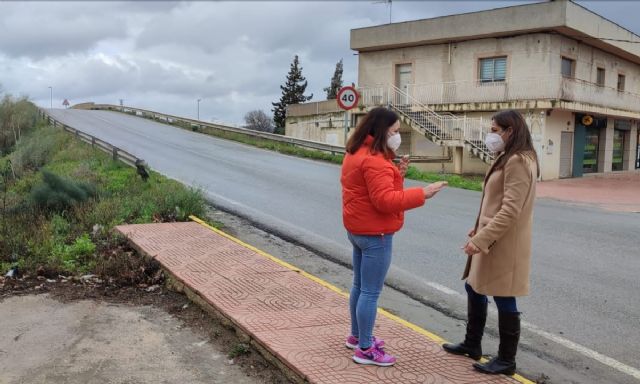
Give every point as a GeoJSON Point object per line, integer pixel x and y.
{"type": "Point", "coordinates": [503, 231]}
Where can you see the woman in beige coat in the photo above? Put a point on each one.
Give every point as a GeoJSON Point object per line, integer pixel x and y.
{"type": "Point", "coordinates": [499, 248]}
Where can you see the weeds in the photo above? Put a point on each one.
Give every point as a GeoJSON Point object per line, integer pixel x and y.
{"type": "Point", "coordinates": [238, 350]}
{"type": "Point", "coordinates": [60, 199]}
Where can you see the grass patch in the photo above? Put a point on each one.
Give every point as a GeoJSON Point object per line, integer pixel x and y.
{"type": "Point", "coordinates": [60, 199]}
{"type": "Point", "coordinates": [285, 148]}
{"type": "Point", "coordinates": [473, 183]}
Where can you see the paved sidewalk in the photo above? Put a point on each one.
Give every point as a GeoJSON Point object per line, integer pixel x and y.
{"type": "Point", "coordinates": [614, 192]}
{"type": "Point", "coordinates": [298, 318]}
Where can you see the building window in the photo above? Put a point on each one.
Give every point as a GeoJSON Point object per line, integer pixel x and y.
{"type": "Point", "coordinates": [600, 77]}
{"type": "Point", "coordinates": [568, 67]}
{"type": "Point", "coordinates": [621, 83]}
{"type": "Point", "coordinates": [493, 69]}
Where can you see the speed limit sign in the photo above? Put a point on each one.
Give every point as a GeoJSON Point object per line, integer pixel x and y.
{"type": "Point", "coordinates": [347, 97]}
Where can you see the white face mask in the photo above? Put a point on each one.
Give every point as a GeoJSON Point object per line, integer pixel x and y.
{"type": "Point", "coordinates": [494, 142]}
{"type": "Point", "coordinates": [394, 141]}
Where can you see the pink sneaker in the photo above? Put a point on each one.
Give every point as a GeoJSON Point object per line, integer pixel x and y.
{"type": "Point", "coordinates": [373, 356]}
{"type": "Point", "coordinates": [352, 342]}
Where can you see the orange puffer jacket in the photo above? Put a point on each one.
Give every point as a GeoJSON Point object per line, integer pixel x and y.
{"type": "Point", "coordinates": [373, 197]}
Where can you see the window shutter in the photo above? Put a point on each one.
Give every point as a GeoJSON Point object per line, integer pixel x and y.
{"type": "Point", "coordinates": [500, 69]}
{"type": "Point", "coordinates": [486, 70]}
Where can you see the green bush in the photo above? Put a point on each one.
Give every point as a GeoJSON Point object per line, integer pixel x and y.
{"type": "Point", "coordinates": [56, 193]}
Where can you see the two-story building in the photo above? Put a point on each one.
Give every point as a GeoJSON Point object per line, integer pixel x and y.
{"type": "Point", "coordinates": [573, 74]}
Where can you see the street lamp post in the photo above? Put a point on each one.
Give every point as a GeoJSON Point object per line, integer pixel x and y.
{"type": "Point", "coordinates": [199, 109]}
{"type": "Point", "coordinates": [51, 97]}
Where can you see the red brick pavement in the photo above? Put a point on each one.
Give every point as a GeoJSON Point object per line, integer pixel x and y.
{"type": "Point", "coordinates": [298, 320]}
{"type": "Point", "coordinates": [615, 192]}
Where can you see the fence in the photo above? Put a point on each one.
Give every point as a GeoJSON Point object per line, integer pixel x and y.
{"type": "Point", "coordinates": [115, 152]}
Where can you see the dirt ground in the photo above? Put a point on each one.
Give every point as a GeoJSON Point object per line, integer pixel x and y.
{"type": "Point", "coordinates": [85, 331]}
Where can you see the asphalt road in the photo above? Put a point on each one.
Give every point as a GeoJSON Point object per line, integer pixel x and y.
{"type": "Point", "coordinates": [585, 261]}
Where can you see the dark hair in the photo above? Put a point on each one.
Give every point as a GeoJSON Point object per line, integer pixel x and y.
{"type": "Point", "coordinates": [518, 143]}
{"type": "Point", "coordinates": [376, 123]}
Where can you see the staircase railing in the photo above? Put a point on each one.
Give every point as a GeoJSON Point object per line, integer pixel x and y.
{"type": "Point", "coordinates": [443, 126]}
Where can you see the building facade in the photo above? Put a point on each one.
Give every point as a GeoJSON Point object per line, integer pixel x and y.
{"type": "Point", "coordinates": [573, 74]}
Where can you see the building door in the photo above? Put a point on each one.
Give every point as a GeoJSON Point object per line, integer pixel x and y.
{"type": "Point", "coordinates": [590, 160]}
{"type": "Point", "coordinates": [403, 79]}
{"type": "Point", "coordinates": [566, 149]}
{"type": "Point", "coordinates": [618, 150]}
{"type": "Point", "coordinates": [638, 150]}
{"type": "Point", "coordinates": [586, 143]}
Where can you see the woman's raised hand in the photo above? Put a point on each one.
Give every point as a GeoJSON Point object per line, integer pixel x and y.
{"type": "Point", "coordinates": [403, 165]}
{"type": "Point", "coordinates": [432, 189]}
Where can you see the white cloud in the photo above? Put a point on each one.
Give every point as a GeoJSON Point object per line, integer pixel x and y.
{"type": "Point", "coordinates": [166, 55]}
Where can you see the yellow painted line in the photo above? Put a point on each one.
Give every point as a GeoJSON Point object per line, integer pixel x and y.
{"type": "Point", "coordinates": [318, 280]}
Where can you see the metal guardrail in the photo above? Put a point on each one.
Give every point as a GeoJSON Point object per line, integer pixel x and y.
{"type": "Point", "coordinates": [334, 149]}
{"type": "Point", "coordinates": [130, 159]}
{"type": "Point", "coordinates": [115, 152]}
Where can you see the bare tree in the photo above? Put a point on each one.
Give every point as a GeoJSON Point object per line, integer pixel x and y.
{"type": "Point", "coordinates": [259, 121]}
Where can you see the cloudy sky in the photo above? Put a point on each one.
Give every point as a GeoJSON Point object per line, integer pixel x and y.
{"type": "Point", "coordinates": [233, 55]}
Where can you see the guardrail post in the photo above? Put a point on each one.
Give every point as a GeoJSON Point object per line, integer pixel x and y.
{"type": "Point", "coordinates": [93, 141]}
{"type": "Point", "coordinates": [114, 153]}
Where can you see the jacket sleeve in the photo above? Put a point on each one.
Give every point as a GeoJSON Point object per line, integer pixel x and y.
{"type": "Point", "coordinates": [379, 176]}
{"type": "Point", "coordinates": [517, 183]}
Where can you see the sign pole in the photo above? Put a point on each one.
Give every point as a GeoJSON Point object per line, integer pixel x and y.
{"type": "Point", "coordinates": [346, 127]}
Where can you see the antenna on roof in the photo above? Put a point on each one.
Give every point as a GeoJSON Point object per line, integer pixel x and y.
{"type": "Point", "coordinates": [389, 2]}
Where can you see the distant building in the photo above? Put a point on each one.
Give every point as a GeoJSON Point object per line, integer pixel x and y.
{"type": "Point", "coordinates": [573, 74]}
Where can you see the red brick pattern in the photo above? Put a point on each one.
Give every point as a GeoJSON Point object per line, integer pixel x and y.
{"type": "Point", "coordinates": [301, 322]}
{"type": "Point", "coordinates": [614, 192]}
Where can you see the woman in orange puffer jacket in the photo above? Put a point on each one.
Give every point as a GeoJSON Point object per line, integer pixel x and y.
{"type": "Point", "coordinates": [373, 205]}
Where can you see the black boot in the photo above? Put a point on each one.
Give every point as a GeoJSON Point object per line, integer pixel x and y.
{"type": "Point", "coordinates": [472, 344]}
{"type": "Point", "coordinates": [505, 362]}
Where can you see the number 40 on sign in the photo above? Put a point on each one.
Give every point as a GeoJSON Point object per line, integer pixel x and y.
{"type": "Point", "coordinates": [347, 98]}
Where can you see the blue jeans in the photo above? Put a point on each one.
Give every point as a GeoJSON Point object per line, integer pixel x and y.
{"type": "Point", "coordinates": [504, 304]}
{"type": "Point", "coordinates": [371, 260]}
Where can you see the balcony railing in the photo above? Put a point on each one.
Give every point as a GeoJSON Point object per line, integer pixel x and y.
{"type": "Point", "coordinates": [534, 88]}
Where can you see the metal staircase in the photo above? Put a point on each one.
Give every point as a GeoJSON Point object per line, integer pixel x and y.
{"type": "Point", "coordinates": [444, 129]}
